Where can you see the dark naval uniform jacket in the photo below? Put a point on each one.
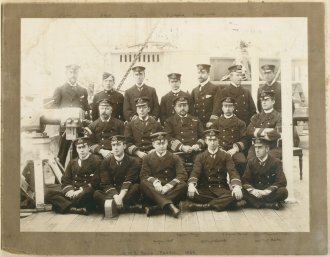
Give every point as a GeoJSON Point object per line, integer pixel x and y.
{"type": "Point", "coordinates": [232, 132]}
{"type": "Point", "coordinates": [137, 133]}
{"type": "Point", "coordinates": [167, 106]}
{"type": "Point", "coordinates": [210, 173]}
{"type": "Point", "coordinates": [203, 101]}
{"type": "Point", "coordinates": [132, 93]}
{"type": "Point", "coordinates": [69, 96]}
{"type": "Point", "coordinates": [263, 120]}
{"type": "Point", "coordinates": [81, 173]}
{"type": "Point", "coordinates": [267, 175]}
{"type": "Point", "coordinates": [116, 99]}
{"type": "Point", "coordinates": [184, 131]}
{"type": "Point", "coordinates": [276, 87]}
{"type": "Point", "coordinates": [116, 176]}
{"type": "Point", "coordinates": [100, 133]}
{"type": "Point", "coordinates": [244, 105]}
{"type": "Point", "coordinates": [167, 169]}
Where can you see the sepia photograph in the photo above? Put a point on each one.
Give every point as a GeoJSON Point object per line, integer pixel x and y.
{"type": "Point", "coordinates": [196, 124]}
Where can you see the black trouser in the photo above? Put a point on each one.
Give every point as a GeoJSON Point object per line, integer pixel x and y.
{"type": "Point", "coordinates": [220, 200]}
{"type": "Point", "coordinates": [132, 196]}
{"type": "Point", "coordinates": [276, 196]}
{"type": "Point", "coordinates": [64, 146]}
{"type": "Point", "coordinates": [62, 204]}
{"type": "Point", "coordinates": [175, 195]}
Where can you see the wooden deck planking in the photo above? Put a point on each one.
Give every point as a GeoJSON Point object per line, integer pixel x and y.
{"type": "Point", "coordinates": [172, 224]}
{"type": "Point", "coordinates": [156, 223]}
{"type": "Point", "coordinates": [106, 225]}
{"type": "Point", "coordinates": [206, 221]}
{"type": "Point", "coordinates": [256, 220]}
{"type": "Point", "coordinates": [273, 221]}
{"type": "Point", "coordinates": [223, 221]}
{"type": "Point", "coordinates": [240, 222]}
{"type": "Point", "coordinates": [124, 222]}
{"type": "Point", "coordinates": [189, 222]}
{"type": "Point", "coordinates": [140, 223]}
{"type": "Point", "coordinates": [40, 223]}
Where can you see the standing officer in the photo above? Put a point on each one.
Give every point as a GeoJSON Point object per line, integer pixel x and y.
{"type": "Point", "coordinates": [116, 99]}
{"type": "Point", "coordinates": [232, 134]}
{"type": "Point", "coordinates": [203, 95]}
{"type": "Point", "coordinates": [163, 177]}
{"type": "Point", "coordinates": [70, 95]}
{"type": "Point", "coordinates": [185, 131]}
{"type": "Point", "coordinates": [271, 85]}
{"type": "Point", "coordinates": [138, 131]}
{"type": "Point", "coordinates": [207, 184]}
{"type": "Point", "coordinates": [119, 175]}
{"type": "Point", "coordinates": [244, 105]}
{"type": "Point", "coordinates": [267, 125]}
{"type": "Point", "coordinates": [166, 102]}
{"type": "Point", "coordinates": [264, 181]}
{"type": "Point", "coordinates": [103, 128]}
{"type": "Point", "coordinates": [137, 91]}
{"type": "Point", "coordinates": [78, 183]}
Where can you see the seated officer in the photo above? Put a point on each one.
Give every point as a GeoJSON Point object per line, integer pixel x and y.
{"type": "Point", "coordinates": [78, 183]}
{"type": "Point", "coordinates": [185, 131]}
{"type": "Point", "coordinates": [163, 177]}
{"type": "Point", "coordinates": [267, 125]}
{"type": "Point", "coordinates": [138, 131]}
{"type": "Point", "coordinates": [232, 133]}
{"type": "Point", "coordinates": [207, 184]}
{"type": "Point", "coordinates": [264, 181]}
{"type": "Point", "coordinates": [118, 181]}
{"type": "Point", "coordinates": [166, 102]}
{"type": "Point", "coordinates": [116, 99]}
{"type": "Point", "coordinates": [103, 128]}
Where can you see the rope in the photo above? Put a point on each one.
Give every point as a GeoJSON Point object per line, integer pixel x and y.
{"type": "Point", "coordinates": [137, 57]}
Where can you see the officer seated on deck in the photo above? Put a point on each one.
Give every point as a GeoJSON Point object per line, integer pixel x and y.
{"type": "Point", "coordinates": [264, 181]}
{"type": "Point", "coordinates": [118, 181]}
{"type": "Point", "coordinates": [163, 178]}
{"type": "Point", "coordinates": [185, 132]}
{"type": "Point", "coordinates": [78, 183]}
{"type": "Point", "coordinates": [207, 184]}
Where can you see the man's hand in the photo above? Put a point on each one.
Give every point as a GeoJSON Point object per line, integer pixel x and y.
{"type": "Point", "coordinates": [196, 147]}
{"type": "Point", "coordinates": [77, 192]}
{"type": "Point", "coordinates": [152, 150]}
{"type": "Point", "coordinates": [166, 188]}
{"type": "Point", "coordinates": [265, 192]}
{"type": "Point", "coordinates": [105, 153]}
{"type": "Point", "coordinates": [69, 194]}
{"type": "Point", "coordinates": [256, 193]}
{"type": "Point", "coordinates": [186, 149]}
{"type": "Point", "coordinates": [192, 190]}
{"type": "Point", "coordinates": [119, 201]}
{"type": "Point", "coordinates": [209, 124]}
{"type": "Point", "coordinates": [237, 192]}
{"type": "Point", "coordinates": [158, 186]}
{"type": "Point", "coordinates": [232, 151]}
{"type": "Point", "coordinates": [140, 154]}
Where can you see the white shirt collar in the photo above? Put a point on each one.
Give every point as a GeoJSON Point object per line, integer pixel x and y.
{"type": "Point", "coordinates": [205, 82]}
{"type": "Point", "coordinates": [160, 155]}
{"type": "Point", "coordinates": [214, 152]}
{"type": "Point", "coordinates": [269, 111]}
{"type": "Point", "coordinates": [228, 117]}
{"type": "Point", "coordinates": [264, 159]}
{"type": "Point", "coordinates": [267, 84]}
{"type": "Point", "coordinates": [118, 159]}
{"type": "Point", "coordinates": [72, 85]}
{"type": "Point", "coordinates": [183, 116]}
{"type": "Point", "coordinates": [105, 120]}
{"type": "Point", "coordinates": [80, 160]}
{"type": "Point", "coordinates": [139, 86]}
{"type": "Point", "coordinates": [176, 91]}
{"type": "Point", "coordinates": [146, 119]}
{"type": "Point", "coordinates": [235, 85]}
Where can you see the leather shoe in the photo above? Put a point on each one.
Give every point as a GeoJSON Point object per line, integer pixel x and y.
{"type": "Point", "coordinates": [173, 210]}
{"type": "Point", "coordinates": [152, 210]}
{"type": "Point", "coordinates": [80, 211]}
{"type": "Point", "coordinates": [240, 204]}
{"type": "Point", "coordinates": [199, 207]}
{"type": "Point", "coordinates": [137, 208]}
{"type": "Point", "coordinates": [274, 206]}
